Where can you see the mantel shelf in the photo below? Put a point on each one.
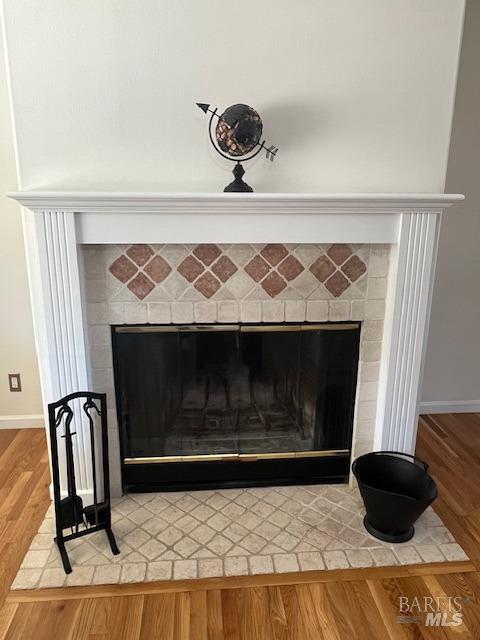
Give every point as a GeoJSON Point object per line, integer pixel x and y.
{"type": "Point", "coordinates": [224, 203]}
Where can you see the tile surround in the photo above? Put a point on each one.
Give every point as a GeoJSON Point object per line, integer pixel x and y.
{"type": "Point", "coordinates": [211, 283]}
{"type": "Point", "coordinates": [230, 532]}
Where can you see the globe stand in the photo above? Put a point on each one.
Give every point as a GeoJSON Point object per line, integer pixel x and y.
{"type": "Point", "coordinates": [238, 185]}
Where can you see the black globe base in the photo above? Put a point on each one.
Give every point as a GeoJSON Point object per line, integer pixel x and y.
{"type": "Point", "coordinates": [238, 185]}
{"type": "Point", "coordinates": [388, 537]}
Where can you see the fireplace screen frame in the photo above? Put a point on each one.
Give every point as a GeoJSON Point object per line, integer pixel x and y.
{"type": "Point", "coordinates": [175, 472]}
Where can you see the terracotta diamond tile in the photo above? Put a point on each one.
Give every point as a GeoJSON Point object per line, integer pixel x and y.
{"type": "Point", "coordinates": [224, 268]}
{"type": "Point", "coordinates": [140, 253]}
{"type": "Point", "coordinates": [207, 285]}
{"type": "Point", "coordinates": [158, 269]}
{"type": "Point", "coordinates": [337, 284]}
{"type": "Point", "coordinates": [339, 253]}
{"type": "Point", "coordinates": [274, 253]}
{"type": "Point", "coordinates": [141, 286]}
{"type": "Point", "coordinates": [123, 269]}
{"type": "Point", "coordinates": [322, 268]}
{"type": "Point", "coordinates": [273, 284]}
{"type": "Point", "coordinates": [354, 268]}
{"type": "Point", "coordinates": [290, 268]}
{"type": "Point", "coordinates": [257, 268]}
{"type": "Point", "coordinates": [207, 253]}
{"type": "Point", "coordinates": [190, 268]}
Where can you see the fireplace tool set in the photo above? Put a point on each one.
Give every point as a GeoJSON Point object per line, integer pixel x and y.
{"type": "Point", "coordinates": [70, 513]}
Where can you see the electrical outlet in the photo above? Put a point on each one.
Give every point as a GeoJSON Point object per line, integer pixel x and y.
{"type": "Point", "coordinates": [14, 382]}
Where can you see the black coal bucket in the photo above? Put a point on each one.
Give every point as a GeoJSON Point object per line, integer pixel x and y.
{"type": "Point", "coordinates": [395, 493]}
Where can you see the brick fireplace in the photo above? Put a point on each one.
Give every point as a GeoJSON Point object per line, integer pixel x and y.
{"type": "Point", "coordinates": [97, 260]}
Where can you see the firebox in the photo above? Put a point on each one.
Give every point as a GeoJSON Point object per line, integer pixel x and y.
{"type": "Point", "coordinates": [203, 406]}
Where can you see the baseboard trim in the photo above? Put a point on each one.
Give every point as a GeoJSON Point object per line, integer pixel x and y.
{"type": "Point", "coordinates": [452, 406]}
{"type": "Point", "coordinates": [31, 421]}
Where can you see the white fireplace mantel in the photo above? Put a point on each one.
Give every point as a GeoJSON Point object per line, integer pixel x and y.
{"type": "Point", "coordinates": [56, 223]}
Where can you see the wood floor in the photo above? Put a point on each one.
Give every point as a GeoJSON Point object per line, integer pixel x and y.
{"type": "Point", "coordinates": [350, 604]}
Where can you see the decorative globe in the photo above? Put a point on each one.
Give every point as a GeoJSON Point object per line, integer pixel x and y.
{"type": "Point", "coordinates": [238, 130]}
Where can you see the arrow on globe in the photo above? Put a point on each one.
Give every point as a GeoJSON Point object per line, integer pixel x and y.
{"type": "Point", "coordinates": [270, 152]}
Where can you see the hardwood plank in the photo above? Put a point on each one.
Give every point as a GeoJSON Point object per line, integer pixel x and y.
{"type": "Point", "coordinates": [158, 617]}
{"type": "Point", "coordinates": [214, 615]}
{"type": "Point", "coordinates": [198, 615]}
{"type": "Point", "coordinates": [278, 616]}
{"type": "Point", "coordinates": [231, 605]}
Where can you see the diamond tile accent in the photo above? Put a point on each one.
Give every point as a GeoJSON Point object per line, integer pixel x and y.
{"type": "Point", "coordinates": [190, 268]}
{"type": "Point", "coordinates": [290, 268]}
{"type": "Point", "coordinates": [207, 284]}
{"type": "Point", "coordinates": [123, 269]}
{"type": "Point", "coordinates": [322, 268]}
{"type": "Point", "coordinates": [231, 273]}
{"type": "Point", "coordinates": [257, 268]}
{"type": "Point", "coordinates": [354, 268]}
{"type": "Point", "coordinates": [274, 253]}
{"type": "Point", "coordinates": [141, 286]}
{"type": "Point", "coordinates": [207, 253]}
{"type": "Point", "coordinates": [158, 269]}
{"type": "Point", "coordinates": [140, 253]}
{"type": "Point", "coordinates": [339, 253]}
{"type": "Point", "coordinates": [273, 284]}
{"type": "Point", "coordinates": [337, 284]}
{"type": "Point", "coordinates": [224, 268]}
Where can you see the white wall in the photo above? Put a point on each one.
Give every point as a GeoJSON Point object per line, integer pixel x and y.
{"type": "Point", "coordinates": [356, 94]}
{"type": "Point", "coordinates": [17, 350]}
{"type": "Point", "coordinates": [452, 372]}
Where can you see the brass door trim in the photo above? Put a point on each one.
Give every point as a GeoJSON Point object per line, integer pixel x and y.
{"type": "Point", "coordinates": [176, 328]}
{"type": "Point", "coordinates": [254, 328]}
{"type": "Point", "coordinates": [327, 326]}
{"type": "Point", "coordinates": [238, 457]}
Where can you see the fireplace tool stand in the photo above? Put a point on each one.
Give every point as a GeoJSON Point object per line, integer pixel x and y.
{"type": "Point", "coordinates": [69, 510]}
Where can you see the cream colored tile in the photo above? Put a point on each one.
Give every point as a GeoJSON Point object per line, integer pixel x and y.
{"type": "Point", "coordinates": [335, 560]}
{"type": "Point", "coordinates": [359, 558]}
{"type": "Point", "coordinates": [260, 564]}
{"type": "Point", "coordinates": [236, 566]}
{"type": "Point", "coordinates": [338, 310]}
{"type": "Point", "coordinates": [357, 310]}
{"type": "Point", "coordinates": [27, 579]}
{"type": "Point", "coordinates": [453, 552]}
{"type": "Point", "coordinates": [80, 576]}
{"type": "Point", "coordinates": [161, 570]}
{"type": "Point", "coordinates": [159, 312]}
{"type": "Point", "coordinates": [273, 311]}
{"type": "Point", "coordinates": [295, 310]}
{"type": "Point", "coordinates": [210, 567]}
{"type": "Point", "coordinates": [407, 555]}
{"type": "Point", "coordinates": [374, 309]}
{"type": "Point", "coordinates": [135, 312]}
{"type": "Point", "coordinates": [185, 569]}
{"type": "Point", "coordinates": [205, 312]}
{"type": "Point", "coordinates": [35, 559]}
{"type": "Point", "coordinates": [311, 561]}
{"type": "Point", "coordinates": [251, 311]}
{"type": "Point", "coordinates": [182, 312]}
{"type": "Point", "coordinates": [317, 310]}
{"type": "Point", "coordinates": [228, 311]}
{"type": "Point", "coordinates": [133, 572]}
{"type": "Point", "coordinates": [383, 557]}
{"type": "Point", "coordinates": [106, 574]}
{"type": "Point", "coordinates": [285, 562]}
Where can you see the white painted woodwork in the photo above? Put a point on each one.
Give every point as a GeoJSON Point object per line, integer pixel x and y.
{"type": "Point", "coordinates": [59, 221]}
